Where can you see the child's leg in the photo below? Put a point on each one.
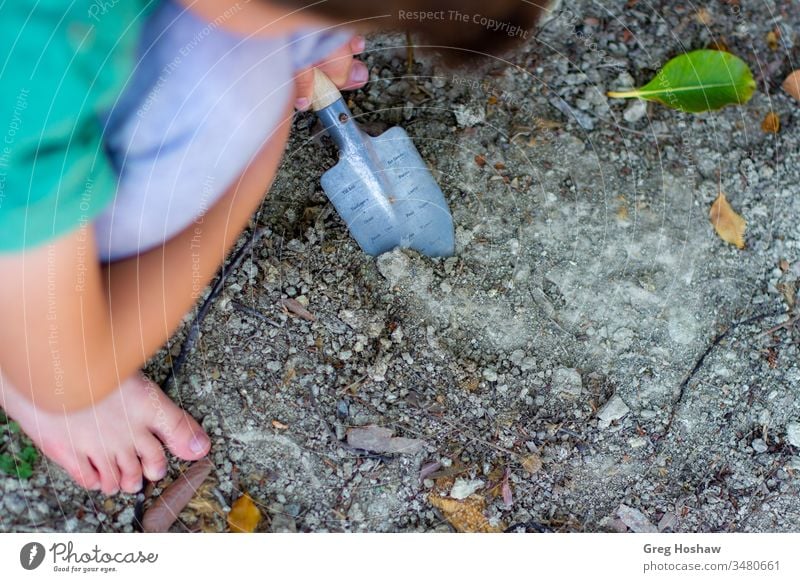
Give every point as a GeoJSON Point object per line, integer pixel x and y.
{"type": "Point", "coordinates": [112, 444]}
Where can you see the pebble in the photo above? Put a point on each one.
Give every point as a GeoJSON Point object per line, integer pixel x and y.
{"type": "Point", "coordinates": [528, 363]}
{"type": "Point", "coordinates": [637, 442]}
{"type": "Point", "coordinates": [759, 446]}
{"type": "Point", "coordinates": [612, 410]}
{"type": "Point", "coordinates": [567, 381]}
{"type": "Point", "coordinates": [463, 488]}
{"type": "Point", "coordinates": [469, 115]}
{"type": "Point", "coordinates": [125, 516]}
{"type": "Point", "coordinates": [636, 521]}
{"type": "Point", "coordinates": [668, 521]}
{"type": "Point", "coordinates": [635, 111]}
{"type": "Point", "coordinates": [490, 375]}
{"type": "Point", "coordinates": [15, 503]}
{"type": "Point", "coordinates": [793, 434]}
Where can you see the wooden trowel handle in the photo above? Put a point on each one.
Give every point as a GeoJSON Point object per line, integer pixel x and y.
{"type": "Point", "coordinates": [324, 92]}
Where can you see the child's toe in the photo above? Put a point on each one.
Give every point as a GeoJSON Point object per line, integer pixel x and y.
{"type": "Point", "coordinates": [151, 452]}
{"type": "Point", "coordinates": [84, 474]}
{"type": "Point", "coordinates": [109, 473]}
{"type": "Point", "coordinates": [185, 439]}
{"type": "Point", "coordinates": [130, 469]}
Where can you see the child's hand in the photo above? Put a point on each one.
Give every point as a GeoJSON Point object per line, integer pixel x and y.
{"type": "Point", "coordinates": [345, 71]}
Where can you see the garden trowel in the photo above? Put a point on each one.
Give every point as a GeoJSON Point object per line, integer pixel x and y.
{"type": "Point", "coordinates": [381, 186]}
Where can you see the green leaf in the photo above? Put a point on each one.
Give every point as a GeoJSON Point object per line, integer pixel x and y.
{"type": "Point", "coordinates": [702, 80]}
{"type": "Point", "coordinates": [24, 471]}
{"type": "Point", "coordinates": [7, 464]}
{"type": "Point", "coordinates": [29, 454]}
{"type": "Point", "coordinates": [22, 465]}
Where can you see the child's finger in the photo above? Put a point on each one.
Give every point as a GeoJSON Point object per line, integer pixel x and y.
{"type": "Point", "coordinates": [357, 76]}
{"type": "Point", "coordinates": [357, 44]}
{"type": "Point", "coordinates": [303, 84]}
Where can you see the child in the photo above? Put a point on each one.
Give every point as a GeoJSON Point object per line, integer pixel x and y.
{"type": "Point", "coordinates": [141, 137]}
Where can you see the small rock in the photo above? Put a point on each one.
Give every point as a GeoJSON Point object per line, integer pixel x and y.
{"type": "Point", "coordinates": [379, 439]}
{"type": "Point", "coordinates": [759, 446]}
{"type": "Point", "coordinates": [490, 375]}
{"type": "Point", "coordinates": [281, 520]}
{"type": "Point", "coordinates": [15, 503]}
{"type": "Point", "coordinates": [637, 442]}
{"type": "Point", "coordinates": [612, 410]}
{"type": "Point", "coordinates": [624, 81]}
{"type": "Point", "coordinates": [668, 521]}
{"type": "Point", "coordinates": [793, 434]}
{"type": "Point", "coordinates": [126, 516]}
{"type": "Point", "coordinates": [567, 381]}
{"type": "Point", "coordinates": [636, 521]}
{"type": "Point", "coordinates": [394, 266]}
{"type": "Point", "coordinates": [635, 111]}
{"type": "Point", "coordinates": [469, 115]}
{"type": "Point", "coordinates": [463, 488]}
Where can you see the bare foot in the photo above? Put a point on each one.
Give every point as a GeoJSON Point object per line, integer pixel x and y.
{"type": "Point", "coordinates": [110, 446]}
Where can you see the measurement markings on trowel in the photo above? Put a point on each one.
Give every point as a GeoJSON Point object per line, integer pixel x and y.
{"type": "Point", "coordinates": [381, 186]}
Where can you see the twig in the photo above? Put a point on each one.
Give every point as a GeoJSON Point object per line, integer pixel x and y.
{"type": "Point", "coordinates": [409, 54]}
{"type": "Point", "coordinates": [658, 440]}
{"type": "Point", "coordinates": [255, 313]}
{"type": "Point", "coordinates": [194, 330]}
{"type": "Point", "coordinates": [785, 325]}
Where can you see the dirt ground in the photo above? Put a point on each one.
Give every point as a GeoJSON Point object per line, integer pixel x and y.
{"type": "Point", "coordinates": [591, 319]}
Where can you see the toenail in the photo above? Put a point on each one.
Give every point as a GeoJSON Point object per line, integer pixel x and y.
{"type": "Point", "coordinates": [158, 474]}
{"type": "Point", "coordinates": [198, 444]}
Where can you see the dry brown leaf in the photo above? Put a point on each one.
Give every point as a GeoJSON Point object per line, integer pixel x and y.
{"type": "Point", "coordinates": [294, 306]}
{"type": "Point", "coordinates": [771, 123]}
{"type": "Point", "coordinates": [244, 516]}
{"type": "Point", "coordinates": [505, 488]}
{"type": "Point", "coordinates": [279, 425]}
{"type": "Point", "coordinates": [792, 84]}
{"type": "Point", "coordinates": [773, 40]}
{"type": "Point", "coordinates": [465, 515]}
{"type": "Point", "coordinates": [164, 511]}
{"type": "Point", "coordinates": [729, 226]}
{"type": "Point", "coordinates": [531, 463]}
